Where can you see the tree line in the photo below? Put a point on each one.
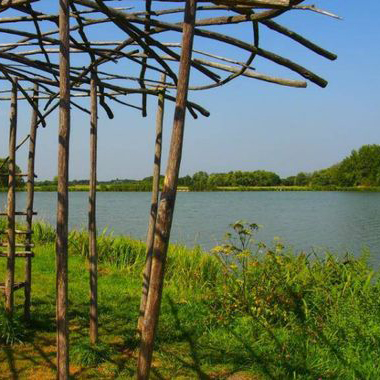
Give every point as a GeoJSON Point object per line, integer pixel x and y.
{"type": "Point", "coordinates": [360, 168]}
{"type": "Point", "coordinates": [204, 181]}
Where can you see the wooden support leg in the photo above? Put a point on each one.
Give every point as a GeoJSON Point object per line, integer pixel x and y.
{"type": "Point", "coordinates": [9, 284]}
{"type": "Point", "coordinates": [154, 204]}
{"type": "Point", "coordinates": [168, 196]}
{"type": "Point", "coordinates": [63, 199]}
{"type": "Point", "coordinates": [93, 254]}
{"type": "Point", "coordinates": [29, 204]}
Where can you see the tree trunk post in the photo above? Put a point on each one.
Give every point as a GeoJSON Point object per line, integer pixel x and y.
{"type": "Point", "coordinates": [93, 254]}
{"type": "Point", "coordinates": [168, 196]}
{"type": "Point", "coordinates": [154, 204]}
{"type": "Point", "coordinates": [63, 196]}
{"type": "Point", "coordinates": [10, 279]}
{"type": "Point", "coordinates": [29, 203]}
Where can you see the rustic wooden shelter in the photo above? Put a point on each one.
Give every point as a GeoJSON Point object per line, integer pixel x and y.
{"type": "Point", "coordinates": [55, 52]}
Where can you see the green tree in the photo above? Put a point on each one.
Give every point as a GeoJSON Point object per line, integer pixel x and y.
{"type": "Point", "coordinates": [302, 179]}
{"type": "Point", "coordinates": [289, 181]}
{"type": "Point", "coordinates": [360, 168]}
{"type": "Point", "coordinates": [199, 181]}
{"type": "Point", "coordinates": [185, 181]}
{"type": "Point", "coordinates": [4, 170]}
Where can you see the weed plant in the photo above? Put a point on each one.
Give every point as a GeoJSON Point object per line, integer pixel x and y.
{"type": "Point", "coordinates": [88, 355]}
{"type": "Point", "coordinates": [12, 330]}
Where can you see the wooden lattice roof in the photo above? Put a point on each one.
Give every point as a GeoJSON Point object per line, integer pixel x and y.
{"type": "Point", "coordinates": [145, 42]}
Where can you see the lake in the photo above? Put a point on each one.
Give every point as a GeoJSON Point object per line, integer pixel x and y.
{"type": "Point", "coordinates": [338, 221]}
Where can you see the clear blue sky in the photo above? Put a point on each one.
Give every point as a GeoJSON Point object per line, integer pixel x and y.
{"type": "Point", "coordinates": [253, 125]}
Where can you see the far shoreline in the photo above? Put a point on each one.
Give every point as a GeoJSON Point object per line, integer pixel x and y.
{"type": "Point", "coordinates": [113, 188]}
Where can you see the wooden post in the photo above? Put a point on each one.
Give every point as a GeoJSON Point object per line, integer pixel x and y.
{"type": "Point", "coordinates": [154, 204]}
{"type": "Point", "coordinates": [63, 199]}
{"type": "Point", "coordinates": [10, 279]}
{"type": "Point", "coordinates": [29, 204]}
{"type": "Point", "coordinates": [93, 254]}
{"type": "Point", "coordinates": [168, 196]}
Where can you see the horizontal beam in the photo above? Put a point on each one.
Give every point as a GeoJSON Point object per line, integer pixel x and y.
{"type": "Point", "coordinates": [19, 254]}
{"type": "Point", "coordinates": [16, 285]}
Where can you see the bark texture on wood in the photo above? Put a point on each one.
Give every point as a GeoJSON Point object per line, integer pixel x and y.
{"type": "Point", "coordinates": [168, 196]}
{"type": "Point", "coordinates": [11, 201]}
{"type": "Point", "coordinates": [93, 254]}
{"type": "Point", "coordinates": [63, 201]}
{"type": "Point", "coordinates": [154, 204]}
{"type": "Point", "coordinates": [29, 203]}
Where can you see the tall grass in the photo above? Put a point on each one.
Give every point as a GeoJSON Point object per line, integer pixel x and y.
{"type": "Point", "coordinates": [183, 265]}
{"type": "Point", "coordinates": [124, 252]}
{"type": "Point", "coordinates": [120, 251]}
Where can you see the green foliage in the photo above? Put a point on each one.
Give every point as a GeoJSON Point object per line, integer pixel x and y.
{"type": "Point", "coordinates": [43, 232]}
{"type": "Point", "coordinates": [315, 318]}
{"type": "Point", "coordinates": [199, 182]}
{"type": "Point", "coordinates": [202, 181]}
{"type": "Point", "coordinates": [240, 178]}
{"type": "Point", "coordinates": [289, 181]}
{"type": "Point", "coordinates": [150, 180]}
{"type": "Point", "coordinates": [4, 178]}
{"type": "Point", "coordinates": [134, 186]}
{"type": "Point", "coordinates": [88, 355]}
{"type": "Point", "coordinates": [361, 168]}
{"type": "Point", "coordinates": [11, 329]}
{"type": "Point", "coordinates": [235, 254]}
{"type": "Point", "coordinates": [185, 181]}
{"type": "Point", "coordinates": [301, 179]}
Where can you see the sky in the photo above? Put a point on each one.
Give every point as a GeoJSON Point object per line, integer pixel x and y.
{"type": "Point", "coordinates": [253, 125]}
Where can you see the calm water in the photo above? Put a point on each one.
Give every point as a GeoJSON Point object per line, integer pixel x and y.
{"type": "Point", "coordinates": [338, 221]}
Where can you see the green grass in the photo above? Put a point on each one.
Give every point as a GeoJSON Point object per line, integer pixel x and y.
{"type": "Point", "coordinates": [290, 317]}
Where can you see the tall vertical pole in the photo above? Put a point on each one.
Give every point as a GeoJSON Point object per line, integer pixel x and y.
{"type": "Point", "coordinates": [93, 254]}
{"type": "Point", "coordinates": [29, 203]}
{"type": "Point", "coordinates": [63, 200]}
{"type": "Point", "coordinates": [168, 196]}
{"type": "Point", "coordinates": [154, 203]}
{"type": "Point", "coordinates": [9, 285]}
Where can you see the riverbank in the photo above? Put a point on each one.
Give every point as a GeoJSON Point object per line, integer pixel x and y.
{"type": "Point", "coordinates": [137, 188]}
{"type": "Point", "coordinates": [284, 316]}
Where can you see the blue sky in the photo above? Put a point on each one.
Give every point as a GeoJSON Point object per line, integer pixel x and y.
{"type": "Point", "coordinates": [253, 125]}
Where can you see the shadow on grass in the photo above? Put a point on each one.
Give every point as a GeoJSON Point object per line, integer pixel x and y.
{"type": "Point", "coordinates": [8, 351]}
{"type": "Point", "coordinates": [195, 365]}
{"type": "Point", "coordinates": [320, 336]}
{"type": "Point", "coordinates": [276, 365]}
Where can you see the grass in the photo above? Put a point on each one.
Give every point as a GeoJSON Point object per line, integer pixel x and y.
{"type": "Point", "coordinates": [284, 316]}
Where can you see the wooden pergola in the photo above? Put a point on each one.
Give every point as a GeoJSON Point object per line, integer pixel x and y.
{"type": "Point", "coordinates": [50, 59]}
